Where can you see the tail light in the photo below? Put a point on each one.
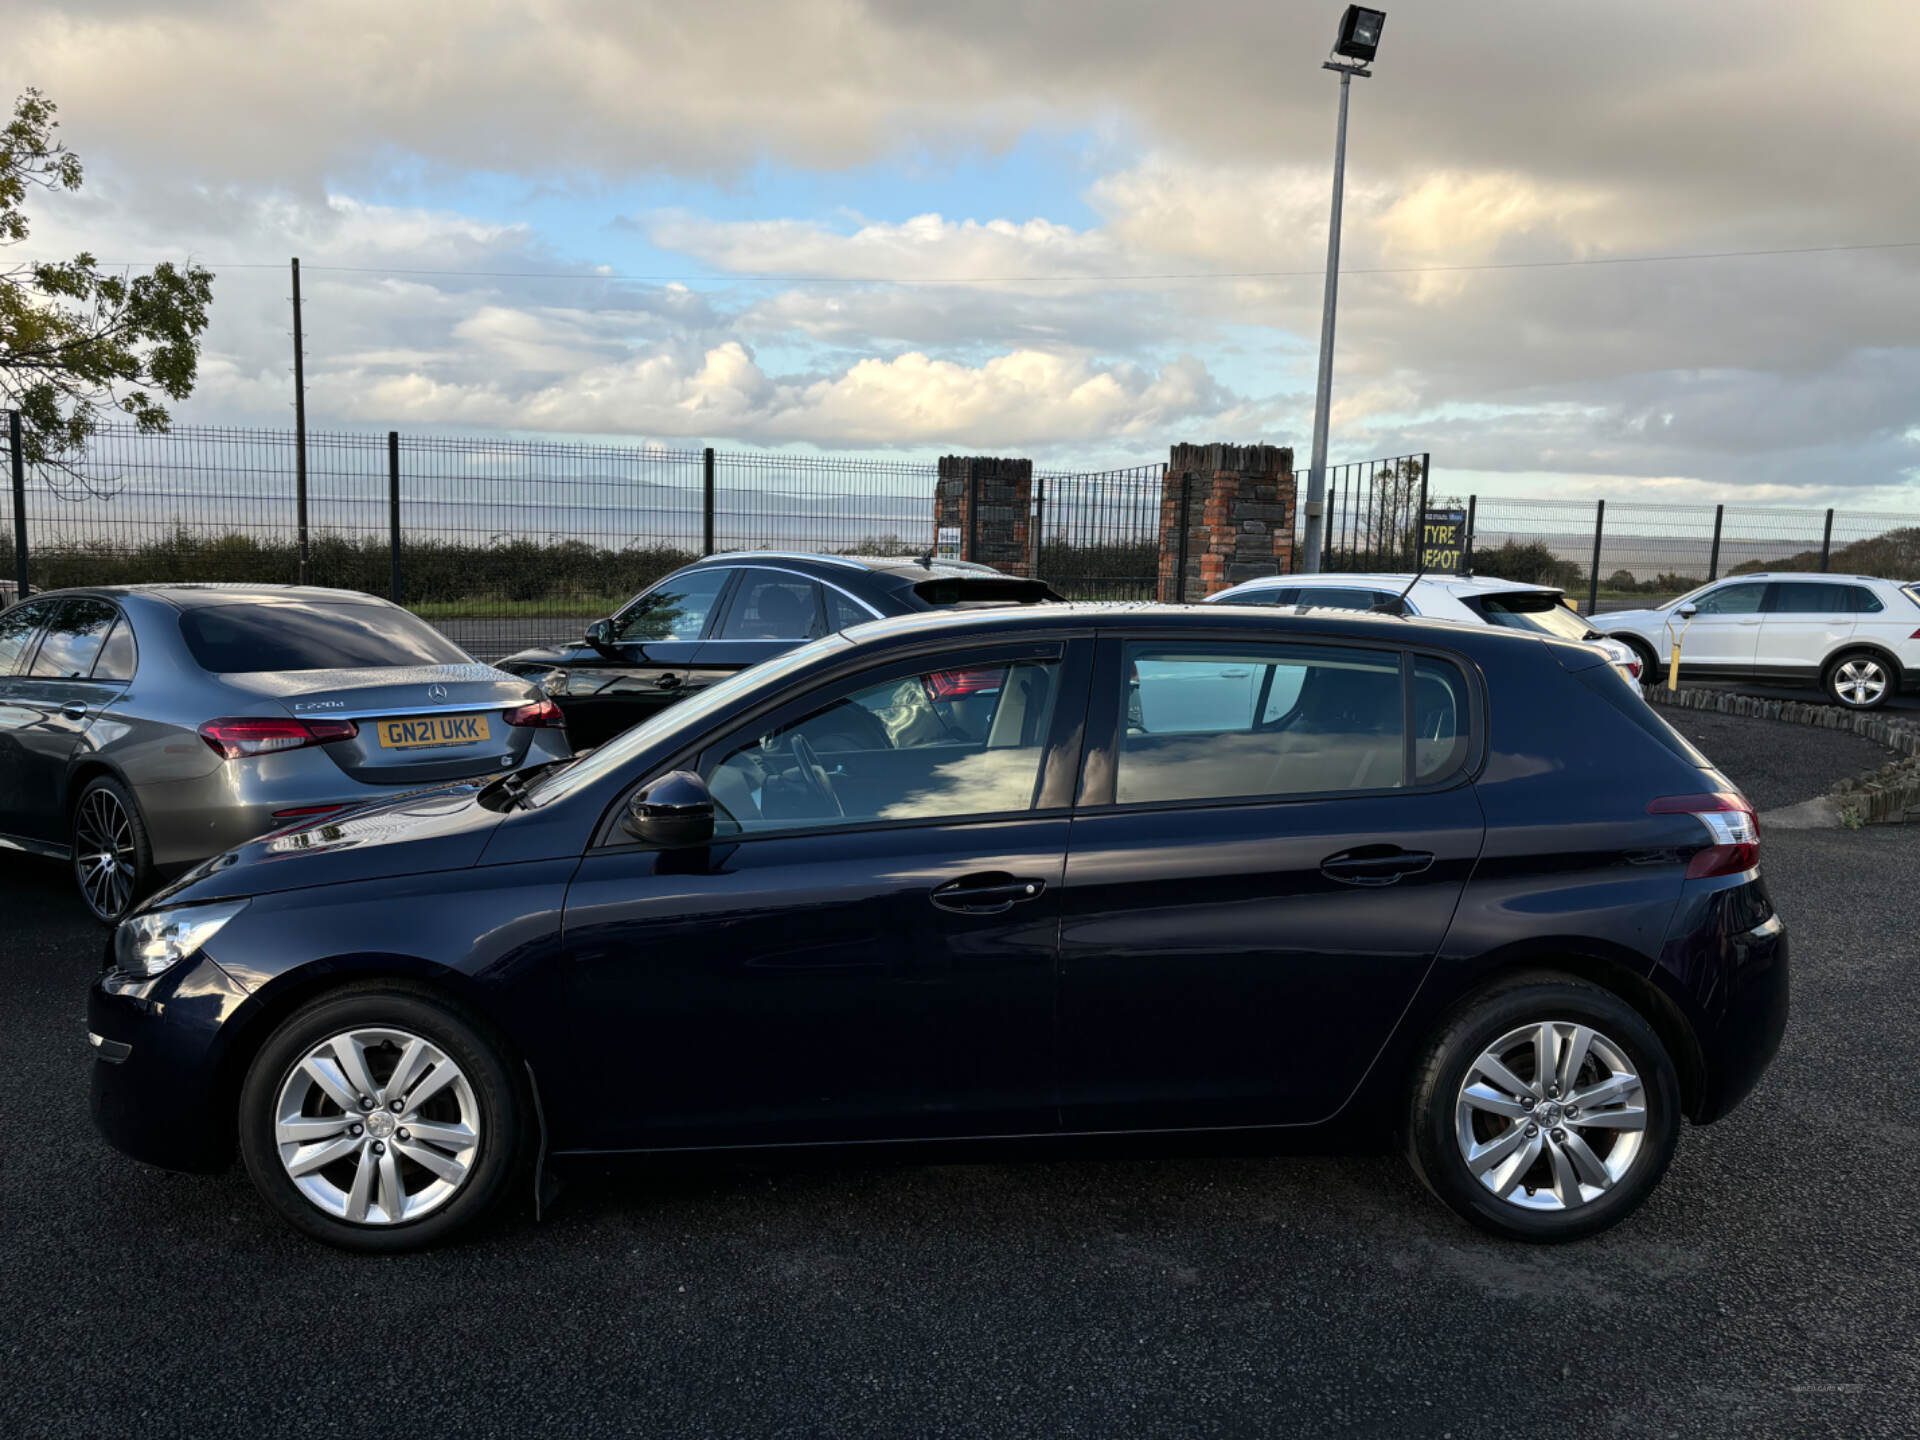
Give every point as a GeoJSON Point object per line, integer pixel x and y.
{"type": "Point", "coordinates": [1633, 668]}
{"type": "Point", "coordinates": [542, 714]}
{"type": "Point", "coordinates": [1733, 831]}
{"type": "Point", "coordinates": [952, 684]}
{"type": "Point", "coordinates": [234, 737]}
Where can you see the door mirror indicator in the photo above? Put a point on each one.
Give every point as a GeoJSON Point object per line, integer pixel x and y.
{"type": "Point", "coordinates": [674, 812]}
{"type": "Point", "coordinates": [600, 634]}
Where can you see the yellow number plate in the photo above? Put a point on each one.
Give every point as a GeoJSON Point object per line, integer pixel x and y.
{"type": "Point", "coordinates": [424, 731]}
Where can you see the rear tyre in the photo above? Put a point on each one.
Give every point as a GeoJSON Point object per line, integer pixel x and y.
{"type": "Point", "coordinates": [1545, 1111]}
{"type": "Point", "coordinates": [1860, 680]}
{"type": "Point", "coordinates": [112, 857]}
{"type": "Point", "coordinates": [381, 1120]}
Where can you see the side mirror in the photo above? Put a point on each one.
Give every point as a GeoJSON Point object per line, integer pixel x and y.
{"type": "Point", "coordinates": [1687, 612]}
{"type": "Point", "coordinates": [672, 813]}
{"type": "Point", "coordinates": [600, 634]}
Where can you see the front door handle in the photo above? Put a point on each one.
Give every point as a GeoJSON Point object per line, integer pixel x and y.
{"type": "Point", "coordinates": [668, 681]}
{"type": "Point", "coordinates": [74, 710]}
{"type": "Point", "coordinates": [991, 893]}
{"type": "Point", "coordinates": [1375, 864]}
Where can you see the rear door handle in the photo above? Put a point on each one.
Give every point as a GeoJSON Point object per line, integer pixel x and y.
{"type": "Point", "coordinates": [992, 893]}
{"type": "Point", "coordinates": [74, 710]}
{"type": "Point", "coordinates": [668, 681]}
{"type": "Point", "coordinates": [1375, 864]}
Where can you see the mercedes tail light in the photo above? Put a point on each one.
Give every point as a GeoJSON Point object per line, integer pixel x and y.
{"type": "Point", "coordinates": [542, 714]}
{"type": "Point", "coordinates": [1733, 831]}
{"type": "Point", "coordinates": [956, 684]}
{"type": "Point", "coordinates": [233, 737]}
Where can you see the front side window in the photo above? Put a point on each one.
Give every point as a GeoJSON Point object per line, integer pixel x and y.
{"type": "Point", "coordinates": [1731, 600]}
{"type": "Point", "coordinates": [312, 635]}
{"type": "Point", "coordinates": [1214, 722]}
{"type": "Point", "coordinates": [18, 626]}
{"type": "Point", "coordinates": [941, 745]}
{"type": "Point", "coordinates": [772, 606]}
{"type": "Point", "coordinates": [74, 637]}
{"type": "Point", "coordinates": [675, 609]}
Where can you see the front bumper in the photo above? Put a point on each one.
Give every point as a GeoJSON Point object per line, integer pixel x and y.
{"type": "Point", "coordinates": [160, 1090]}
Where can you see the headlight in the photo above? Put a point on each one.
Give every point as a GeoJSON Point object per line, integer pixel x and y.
{"type": "Point", "coordinates": [153, 943]}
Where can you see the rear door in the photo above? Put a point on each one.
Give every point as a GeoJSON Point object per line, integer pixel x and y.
{"type": "Point", "coordinates": [53, 704]}
{"type": "Point", "coordinates": [1804, 622]}
{"type": "Point", "coordinates": [767, 613]}
{"type": "Point", "coordinates": [20, 629]}
{"type": "Point", "coordinates": [1723, 635]}
{"type": "Point", "coordinates": [646, 665]}
{"type": "Point", "coordinates": [1270, 842]}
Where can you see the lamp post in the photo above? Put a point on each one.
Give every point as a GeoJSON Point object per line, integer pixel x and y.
{"type": "Point", "coordinates": [1358, 40]}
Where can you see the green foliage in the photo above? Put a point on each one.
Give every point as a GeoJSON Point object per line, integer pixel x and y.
{"type": "Point", "coordinates": [1531, 563]}
{"type": "Point", "coordinates": [75, 339]}
{"type": "Point", "coordinates": [1895, 555]}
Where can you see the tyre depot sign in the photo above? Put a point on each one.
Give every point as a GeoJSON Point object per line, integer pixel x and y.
{"type": "Point", "coordinates": [1443, 542]}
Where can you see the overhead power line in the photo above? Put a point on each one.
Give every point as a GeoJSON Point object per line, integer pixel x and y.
{"type": "Point", "coordinates": [1087, 278]}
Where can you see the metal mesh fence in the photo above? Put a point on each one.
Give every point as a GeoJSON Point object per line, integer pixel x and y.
{"type": "Point", "coordinates": [1373, 514]}
{"type": "Point", "coordinates": [1099, 532]}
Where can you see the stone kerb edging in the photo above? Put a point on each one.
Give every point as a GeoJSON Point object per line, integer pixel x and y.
{"type": "Point", "coordinates": [1885, 796]}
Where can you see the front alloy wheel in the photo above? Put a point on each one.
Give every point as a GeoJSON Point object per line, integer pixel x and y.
{"type": "Point", "coordinates": [382, 1118]}
{"type": "Point", "coordinates": [377, 1126]}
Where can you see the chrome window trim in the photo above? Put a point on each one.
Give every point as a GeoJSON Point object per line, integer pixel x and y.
{"type": "Point", "coordinates": [729, 556]}
{"type": "Point", "coordinates": [800, 575]}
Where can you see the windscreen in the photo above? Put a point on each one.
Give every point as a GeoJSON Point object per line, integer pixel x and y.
{"type": "Point", "coordinates": [1535, 610]}
{"type": "Point", "coordinates": [324, 635]}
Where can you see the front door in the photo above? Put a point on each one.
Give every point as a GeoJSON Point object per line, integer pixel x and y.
{"type": "Point", "coordinates": [867, 948]}
{"type": "Point", "coordinates": [644, 665]}
{"type": "Point", "coordinates": [1724, 633]}
{"type": "Point", "coordinates": [1259, 878]}
{"type": "Point", "coordinates": [20, 629]}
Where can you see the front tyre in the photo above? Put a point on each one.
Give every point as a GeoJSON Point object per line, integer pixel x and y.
{"type": "Point", "coordinates": [1860, 680]}
{"type": "Point", "coordinates": [1545, 1111]}
{"type": "Point", "coordinates": [380, 1120]}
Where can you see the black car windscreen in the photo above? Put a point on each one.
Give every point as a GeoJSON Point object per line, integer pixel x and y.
{"type": "Point", "coordinates": [247, 639]}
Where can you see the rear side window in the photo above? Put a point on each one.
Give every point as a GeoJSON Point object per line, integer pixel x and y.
{"type": "Point", "coordinates": [1340, 597]}
{"type": "Point", "coordinates": [1865, 602]}
{"type": "Point", "coordinates": [74, 637]}
{"type": "Point", "coordinates": [117, 657]}
{"type": "Point", "coordinates": [18, 626]}
{"type": "Point", "coordinates": [247, 639]}
{"type": "Point", "coordinates": [1216, 722]}
{"type": "Point", "coordinates": [842, 612]}
{"type": "Point", "coordinates": [770, 605]}
{"type": "Point", "coordinates": [1812, 597]}
{"type": "Point", "coordinates": [1440, 711]}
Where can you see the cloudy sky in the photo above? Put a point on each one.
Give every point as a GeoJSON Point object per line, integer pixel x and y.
{"type": "Point", "coordinates": [1077, 231]}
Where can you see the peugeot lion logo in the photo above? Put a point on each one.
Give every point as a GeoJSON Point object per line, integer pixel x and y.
{"type": "Point", "coordinates": [436, 692]}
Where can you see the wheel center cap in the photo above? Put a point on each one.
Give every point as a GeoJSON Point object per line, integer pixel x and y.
{"type": "Point", "coordinates": [380, 1124]}
{"type": "Point", "coordinates": [1547, 1112]}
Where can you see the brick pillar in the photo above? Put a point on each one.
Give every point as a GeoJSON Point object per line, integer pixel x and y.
{"type": "Point", "coordinates": [1238, 501]}
{"type": "Point", "coordinates": [986, 503]}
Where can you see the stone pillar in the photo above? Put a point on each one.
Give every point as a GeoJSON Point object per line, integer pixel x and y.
{"type": "Point", "coordinates": [982, 511]}
{"type": "Point", "coordinates": [1238, 507]}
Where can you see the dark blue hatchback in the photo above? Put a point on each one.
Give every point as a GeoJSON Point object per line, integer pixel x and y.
{"type": "Point", "coordinates": [1016, 875]}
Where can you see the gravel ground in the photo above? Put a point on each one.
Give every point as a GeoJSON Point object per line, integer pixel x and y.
{"type": "Point", "coordinates": [1771, 1287]}
{"type": "Point", "coordinates": [1777, 763]}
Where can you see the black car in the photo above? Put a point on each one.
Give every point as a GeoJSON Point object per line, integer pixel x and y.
{"type": "Point", "coordinates": [1016, 874]}
{"type": "Point", "coordinates": [717, 616]}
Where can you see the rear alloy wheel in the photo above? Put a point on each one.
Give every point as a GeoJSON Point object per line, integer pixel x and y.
{"type": "Point", "coordinates": [112, 861]}
{"type": "Point", "coordinates": [1546, 1112]}
{"type": "Point", "coordinates": [1860, 681]}
{"type": "Point", "coordinates": [379, 1120]}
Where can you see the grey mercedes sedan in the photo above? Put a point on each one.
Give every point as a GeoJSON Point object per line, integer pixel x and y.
{"type": "Point", "coordinates": [144, 728]}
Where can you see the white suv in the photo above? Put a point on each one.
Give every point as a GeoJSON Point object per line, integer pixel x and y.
{"type": "Point", "coordinates": [1854, 635]}
{"type": "Point", "coordinates": [1474, 599]}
